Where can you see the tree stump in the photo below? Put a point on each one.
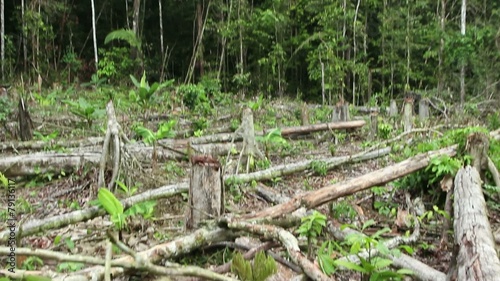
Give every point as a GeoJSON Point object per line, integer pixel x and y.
{"type": "Point", "coordinates": [247, 130]}
{"type": "Point", "coordinates": [477, 146]}
{"type": "Point", "coordinates": [206, 191]}
{"type": "Point", "coordinates": [408, 115]}
{"type": "Point", "coordinates": [304, 114]}
{"type": "Point", "coordinates": [341, 112]}
{"type": "Point", "coordinates": [373, 125]}
{"type": "Point", "coordinates": [423, 109]}
{"type": "Point", "coordinates": [475, 254]}
{"type": "Point", "coordinates": [24, 119]}
{"type": "Point", "coordinates": [393, 109]}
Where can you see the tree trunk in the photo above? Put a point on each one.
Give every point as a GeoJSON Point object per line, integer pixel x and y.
{"type": "Point", "coordinates": [162, 51]}
{"type": "Point", "coordinates": [94, 37]}
{"type": "Point", "coordinates": [463, 14]}
{"type": "Point", "coordinates": [25, 123]}
{"type": "Point", "coordinates": [2, 36]}
{"type": "Point", "coordinates": [442, 22]}
{"type": "Point", "coordinates": [476, 257]}
{"type": "Point", "coordinates": [206, 192]}
{"type": "Point", "coordinates": [135, 19]}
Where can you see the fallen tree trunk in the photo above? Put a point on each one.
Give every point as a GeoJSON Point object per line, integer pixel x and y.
{"type": "Point", "coordinates": [476, 256]}
{"type": "Point", "coordinates": [299, 130]}
{"type": "Point", "coordinates": [318, 197]}
{"type": "Point", "coordinates": [49, 162]}
{"type": "Point", "coordinates": [287, 169]}
{"type": "Point", "coordinates": [34, 226]}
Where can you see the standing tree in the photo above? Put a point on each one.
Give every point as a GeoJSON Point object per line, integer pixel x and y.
{"type": "Point", "coordinates": [2, 36]}
{"type": "Point", "coordinates": [463, 13]}
{"type": "Point", "coordinates": [96, 57]}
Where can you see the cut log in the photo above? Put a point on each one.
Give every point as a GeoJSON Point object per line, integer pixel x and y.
{"type": "Point", "coordinates": [476, 257]}
{"type": "Point", "coordinates": [50, 162]}
{"type": "Point", "coordinates": [326, 194]}
{"type": "Point", "coordinates": [206, 192]}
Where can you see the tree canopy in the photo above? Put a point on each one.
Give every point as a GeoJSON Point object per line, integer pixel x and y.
{"type": "Point", "coordinates": [352, 50]}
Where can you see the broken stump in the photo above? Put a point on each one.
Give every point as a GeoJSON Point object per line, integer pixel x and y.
{"type": "Point", "coordinates": [206, 191]}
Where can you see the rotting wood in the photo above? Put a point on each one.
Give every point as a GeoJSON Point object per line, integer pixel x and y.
{"type": "Point", "coordinates": [476, 257]}
{"type": "Point", "coordinates": [206, 192]}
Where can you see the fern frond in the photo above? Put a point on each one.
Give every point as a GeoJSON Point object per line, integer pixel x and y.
{"type": "Point", "coordinates": [126, 35]}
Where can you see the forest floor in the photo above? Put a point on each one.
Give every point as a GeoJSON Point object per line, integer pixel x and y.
{"type": "Point", "coordinates": [36, 193]}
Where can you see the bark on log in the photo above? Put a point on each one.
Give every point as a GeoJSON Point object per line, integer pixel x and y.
{"type": "Point", "coordinates": [206, 192]}
{"type": "Point", "coordinates": [51, 162]}
{"type": "Point", "coordinates": [287, 169]}
{"type": "Point", "coordinates": [316, 198]}
{"type": "Point", "coordinates": [477, 258]}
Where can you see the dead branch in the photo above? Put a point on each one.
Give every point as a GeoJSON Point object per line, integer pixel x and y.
{"type": "Point", "coordinates": [494, 172]}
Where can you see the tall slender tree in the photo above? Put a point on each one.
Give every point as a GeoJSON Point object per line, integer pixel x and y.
{"type": "Point", "coordinates": [2, 35]}
{"type": "Point", "coordinates": [94, 37]}
{"type": "Point", "coordinates": [463, 13]}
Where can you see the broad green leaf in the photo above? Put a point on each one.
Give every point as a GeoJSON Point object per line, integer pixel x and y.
{"type": "Point", "coordinates": [350, 265]}
{"type": "Point", "coordinates": [110, 203]}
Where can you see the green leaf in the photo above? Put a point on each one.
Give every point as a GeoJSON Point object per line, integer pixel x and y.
{"type": "Point", "coordinates": [127, 35]}
{"type": "Point", "coordinates": [110, 203]}
{"type": "Point", "coordinates": [134, 80]}
{"type": "Point", "coordinates": [241, 268]}
{"type": "Point", "coordinates": [350, 265]}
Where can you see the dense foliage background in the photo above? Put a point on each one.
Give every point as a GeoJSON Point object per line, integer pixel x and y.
{"type": "Point", "coordinates": [358, 50]}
